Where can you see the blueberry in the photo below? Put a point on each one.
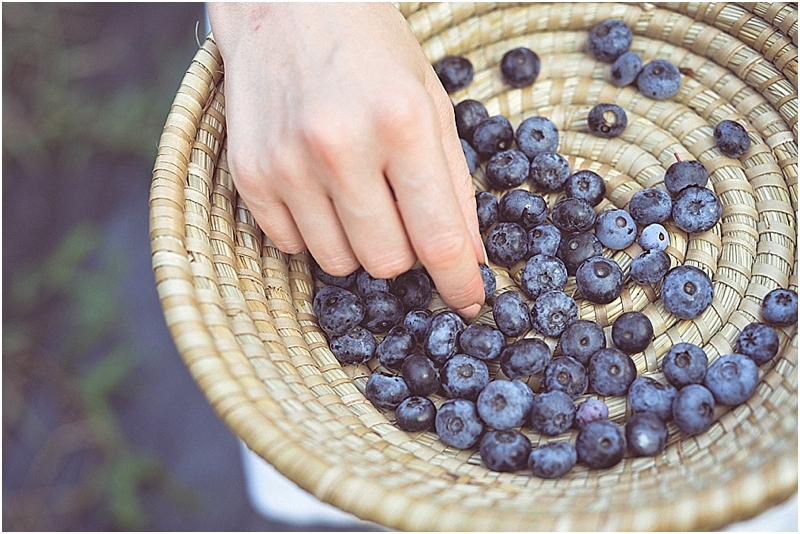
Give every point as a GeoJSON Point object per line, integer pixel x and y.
{"type": "Point", "coordinates": [398, 343]}
{"type": "Point", "coordinates": [420, 375]}
{"type": "Point", "coordinates": [552, 311]}
{"type": "Point", "coordinates": [419, 322]}
{"type": "Point", "coordinates": [611, 372]}
{"type": "Point", "coordinates": [683, 174]}
{"type": "Point", "coordinates": [520, 66]}
{"type": "Point", "coordinates": [511, 313]}
{"type": "Point", "coordinates": [413, 288]}
{"type": "Point", "coordinates": [552, 412]}
{"type": "Point", "coordinates": [469, 113]}
{"type": "Point", "coordinates": [573, 215]}
{"type": "Point", "coordinates": [659, 80]}
{"type": "Point", "coordinates": [522, 207]}
{"type": "Point", "coordinates": [542, 273]}
{"type": "Point", "coordinates": [607, 120]}
{"type": "Point", "coordinates": [549, 172]}
{"type": "Point", "coordinates": [581, 339]}
{"type": "Point", "coordinates": [488, 209]}
{"type": "Point", "coordinates": [732, 379]}
{"type": "Point", "coordinates": [492, 135]}
{"type": "Point", "coordinates": [601, 444]}
{"type": "Point", "coordinates": [507, 169]}
{"type": "Point", "coordinates": [586, 185]}
{"type": "Point", "coordinates": [696, 210]}
{"type": "Point", "coordinates": [685, 364]}
{"type": "Point", "coordinates": [489, 281]}
{"type": "Point", "coordinates": [731, 138]}
{"type": "Point", "coordinates": [458, 424]}
{"type": "Point", "coordinates": [543, 239]}
{"type": "Point", "coordinates": [382, 311]}
{"type": "Point", "coordinates": [615, 229]}
{"type": "Point", "coordinates": [338, 310]}
{"type": "Point", "coordinates": [576, 248]}
{"type": "Point", "coordinates": [463, 376]}
{"type": "Point", "coordinates": [524, 357]}
{"type": "Point", "coordinates": [481, 341]}
{"type": "Point", "coordinates": [346, 282]}
{"type": "Point", "coordinates": [686, 291]}
{"type": "Point", "coordinates": [470, 155]}
{"type": "Point", "coordinates": [537, 135]}
{"type": "Point", "coordinates": [503, 405]}
{"type": "Point", "coordinates": [758, 341]}
{"type": "Point", "coordinates": [566, 374]}
{"type": "Point", "coordinates": [649, 267]}
{"type": "Point", "coordinates": [632, 332]}
{"type": "Point", "coordinates": [591, 410]}
{"type": "Point", "coordinates": [386, 391]}
{"type": "Point", "coordinates": [356, 346]}
{"type": "Point", "coordinates": [454, 72]}
{"type": "Point", "coordinates": [600, 280]}
{"type": "Point", "coordinates": [552, 460]}
{"type": "Point", "coordinates": [779, 307]}
{"type": "Point", "coordinates": [505, 450]}
{"type": "Point", "coordinates": [650, 206]}
{"type": "Point", "coordinates": [654, 237]}
{"type": "Point", "coordinates": [507, 243]}
{"type": "Point", "coordinates": [693, 409]}
{"type": "Point", "coordinates": [625, 69]}
{"type": "Point", "coordinates": [415, 414]}
{"type": "Point", "coordinates": [442, 340]}
{"type": "Point", "coordinates": [648, 395]}
{"type": "Point", "coordinates": [609, 39]}
{"type": "Point", "coordinates": [646, 434]}
{"type": "Point", "coordinates": [366, 283]}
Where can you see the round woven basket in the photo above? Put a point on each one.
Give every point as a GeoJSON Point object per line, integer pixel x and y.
{"type": "Point", "coordinates": [240, 311]}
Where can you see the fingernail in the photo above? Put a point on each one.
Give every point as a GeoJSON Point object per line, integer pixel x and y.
{"type": "Point", "coordinates": [470, 311]}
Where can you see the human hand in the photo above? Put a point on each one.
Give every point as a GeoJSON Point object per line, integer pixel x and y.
{"type": "Point", "coordinates": [342, 140]}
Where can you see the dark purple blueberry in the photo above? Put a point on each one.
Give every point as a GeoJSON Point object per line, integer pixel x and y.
{"type": "Point", "coordinates": [522, 207]}
{"type": "Point", "coordinates": [398, 343]}
{"type": "Point", "coordinates": [458, 424]}
{"type": "Point", "coordinates": [505, 450]}
{"type": "Point", "coordinates": [650, 206]}
{"type": "Point", "coordinates": [543, 239]}
{"type": "Point", "coordinates": [696, 210]}
{"type": "Point", "coordinates": [615, 229]}
{"type": "Point", "coordinates": [524, 357]}
{"type": "Point", "coordinates": [419, 322]}
{"type": "Point", "coordinates": [731, 138]}
{"type": "Point", "coordinates": [507, 243]}
{"type": "Point", "coordinates": [609, 39]}
{"type": "Point", "coordinates": [685, 364]}
{"type": "Point", "coordinates": [338, 310]}
{"type": "Point", "coordinates": [552, 460]}
{"type": "Point", "coordinates": [420, 375]}
{"type": "Point", "coordinates": [507, 169]}
{"type": "Point", "coordinates": [489, 281]}
{"type": "Point", "coordinates": [607, 120]}
{"type": "Point", "coordinates": [600, 280]}
{"type": "Point", "coordinates": [552, 311]}
{"type": "Point", "coordinates": [581, 339]}
{"type": "Point", "coordinates": [481, 341]}
{"type": "Point", "coordinates": [646, 434]}
{"type": "Point", "coordinates": [473, 161]}
{"type": "Point", "coordinates": [413, 288]}
{"type": "Point", "coordinates": [625, 69]}
{"type": "Point", "coordinates": [511, 314]}
{"type": "Point", "coordinates": [542, 273]}
{"type": "Point", "coordinates": [759, 342]}
{"type": "Point", "coordinates": [488, 209]}
{"type": "Point", "coordinates": [632, 332]}
{"type": "Point", "coordinates": [686, 291]}
{"type": "Point", "coordinates": [654, 236]}
{"type": "Point", "coordinates": [573, 215]}
{"type": "Point", "coordinates": [779, 307]}
{"type": "Point", "coordinates": [356, 346]}
{"type": "Point", "coordinates": [503, 404]}
{"type": "Point", "coordinates": [611, 372]}
{"type": "Point", "coordinates": [469, 113]}
{"type": "Point", "coordinates": [382, 311]}
{"type": "Point", "coordinates": [576, 248]}
{"type": "Point", "coordinates": [537, 135]}
{"type": "Point", "coordinates": [520, 66]}
{"type": "Point", "coordinates": [552, 412]}
{"type": "Point", "coordinates": [346, 282]}
{"type": "Point", "coordinates": [492, 135]}
{"type": "Point", "coordinates": [648, 395]}
{"type": "Point", "coordinates": [366, 283]}
{"type": "Point", "coordinates": [693, 409]}
{"type": "Point", "coordinates": [649, 267]}
{"type": "Point", "coordinates": [732, 379]}
{"type": "Point", "coordinates": [386, 391]}
{"type": "Point", "coordinates": [549, 172]}
{"type": "Point", "coordinates": [601, 444]}
{"type": "Point", "coordinates": [591, 410]}
{"type": "Point", "coordinates": [659, 80]}
{"type": "Point", "coordinates": [415, 414]}
{"type": "Point", "coordinates": [442, 340]}
{"type": "Point", "coordinates": [586, 185]}
{"type": "Point", "coordinates": [454, 72]}
{"type": "Point", "coordinates": [683, 174]}
{"type": "Point", "coordinates": [566, 374]}
{"type": "Point", "coordinates": [464, 376]}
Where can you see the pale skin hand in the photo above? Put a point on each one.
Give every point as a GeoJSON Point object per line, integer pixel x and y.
{"type": "Point", "coordinates": [342, 140]}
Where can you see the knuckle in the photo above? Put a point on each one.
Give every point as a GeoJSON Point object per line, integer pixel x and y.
{"type": "Point", "coordinates": [404, 111]}
{"type": "Point", "coordinates": [389, 266]}
{"type": "Point", "coordinates": [337, 265]}
{"type": "Point", "coordinates": [443, 249]}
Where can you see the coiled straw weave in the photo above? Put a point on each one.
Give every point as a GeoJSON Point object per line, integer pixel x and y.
{"type": "Point", "coordinates": [241, 316]}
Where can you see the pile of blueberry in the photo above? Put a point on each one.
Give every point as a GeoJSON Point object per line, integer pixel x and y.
{"type": "Point", "coordinates": [481, 370]}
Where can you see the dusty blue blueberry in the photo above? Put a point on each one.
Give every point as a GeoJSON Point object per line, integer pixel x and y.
{"type": "Point", "coordinates": [522, 207]}
{"type": "Point", "coordinates": [591, 410]}
{"type": "Point", "coordinates": [441, 342]}
{"type": "Point", "coordinates": [543, 239]}
{"type": "Point", "coordinates": [779, 307]}
{"type": "Point", "coordinates": [649, 267]}
{"type": "Point", "coordinates": [507, 243]}
{"type": "Point", "coordinates": [502, 404]}
{"type": "Point", "coordinates": [505, 450]}
{"type": "Point", "coordinates": [649, 395]}
{"type": "Point", "coordinates": [458, 424]}
{"type": "Point", "coordinates": [577, 247]}
{"type": "Point", "coordinates": [646, 434]}
{"type": "Point", "coordinates": [470, 155]}
{"type": "Point", "coordinates": [601, 444]}
{"type": "Point", "coordinates": [542, 273]}
{"type": "Point", "coordinates": [625, 69]}
{"type": "Point", "coordinates": [686, 291]}
{"type": "Point", "coordinates": [488, 209]}
{"type": "Point", "coordinates": [731, 138]}
{"type": "Point", "coordinates": [415, 414]}
{"type": "Point", "coordinates": [693, 409]}
{"type": "Point", "coordinates": [492, 135]}
{"type": "Point", "coordinates": [659, 80]}
{"type": "Point", "coordinates": [552, 311]}
{"type": "Point", "coordinates": [338, 310]}
{"type": "Point", "coordinates": [684, 364]}
{"type": "Point", "coordinates": [611, 372]}
{"type": "Point", "coordinates": [607, 120]}
{"type": "Point", "coordinates": [758, 341]}
{"type": "Point", "coordinates": [346, 282]}
{"type": "Point", "coordinates": [683, 174]}
{"type": "Point", "coordinates": [566, 374]}
{"type": "Point", "coordinates": [654, 237]}
{"type": "Point", "coordinates": [616, 229]}
{"type": "Point", "coordinates": [524, 357]}
{"type": "Point", "coordinates": [552, 412]}
{"type": "Point", "coordinates": [581, 339]}
{"type": "Point", "coordinates": [398, 343]}
{"type": "Point", "coordinates": [586, 185]}
{"type": "Point", "coordinates": [481, 341]}
{"type": "Point", "coordinates": [650, 205]}
{"type": "Point", "coordinates": [573, 215]}
{"type": "Point", "coordinates": [600, 279]}
{"type": "Point", "coordinates": [382, 311]}
{"type": "Point", "coordinates": [511, 313]}
{"type": "Point", "coordinates": [732, 378]}
{"type": "Point", "coordinates": [549, 172]}
{"type": "Point", "coordinates": [609, 39]}
{"type": "Point", "coordinates": [520, 66]}
{"type": "Point", "coordinates": [421, 376]}
{"type": "Point", "coordinates": [536, 135]}
{"type": "Point", "coordinates": [455, 72]}
{"type": "Point", "coordinates": [632, 332]}
{"type": "Point", "coordinates": [356, 346]}
{"type": "Point", "coordinates": [696, 210]}
{"type": "Point", "coordinates": [385, 390]}
{"type": "Point", "coordinates": [366, 283]}
{"type": "Point", "coordinates": [552, 460]}
{"type": "Point", "coordinates": [507, 169]}
{"type": "Point", "coordinates": [469, 114]}
{"type": "Point", "coordinates": [419, 322]}
{"type": "Point", "coordinates": [464, 376]}
{"type": "Point", "coordinates": [489, 281]}
{"type": "Point", "coordinates": [413, 288]}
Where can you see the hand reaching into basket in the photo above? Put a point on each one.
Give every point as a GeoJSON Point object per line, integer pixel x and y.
{"type": "Point", "coordinates": [342, 140]}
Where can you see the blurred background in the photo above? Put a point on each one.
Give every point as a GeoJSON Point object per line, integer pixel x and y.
{"type": "Point", "coordinates": [103, 427]}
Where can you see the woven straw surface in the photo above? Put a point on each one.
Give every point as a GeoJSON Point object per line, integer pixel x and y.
{"type": "Point", "coordinates": [241, 316]}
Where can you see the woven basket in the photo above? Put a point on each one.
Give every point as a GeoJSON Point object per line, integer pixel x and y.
{"type": "Point", "coordinates": [241, 316]}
